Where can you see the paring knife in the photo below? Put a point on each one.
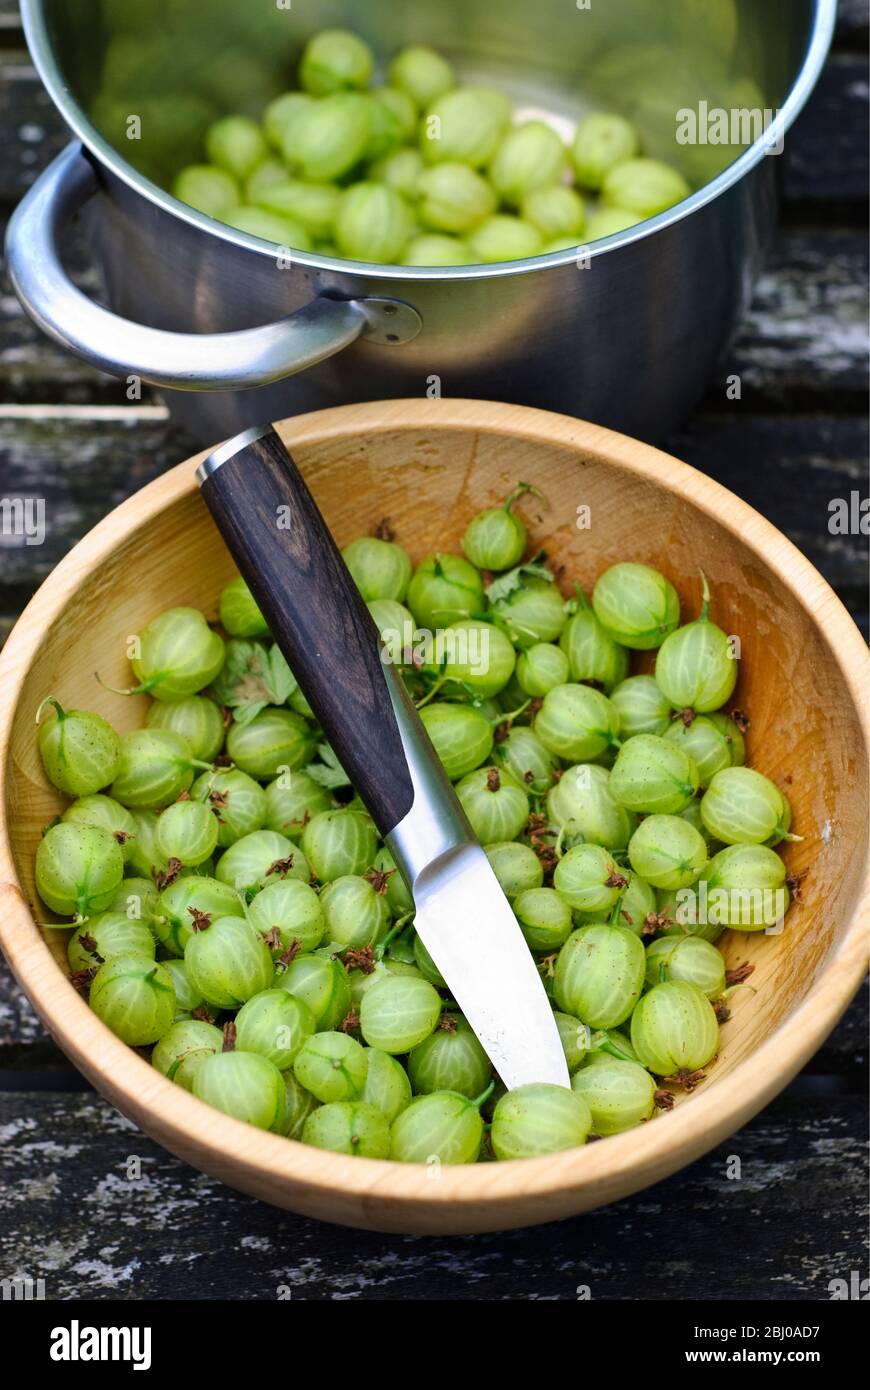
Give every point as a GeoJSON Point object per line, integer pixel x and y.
{"type": "Point", "coordinates": [284, 550]}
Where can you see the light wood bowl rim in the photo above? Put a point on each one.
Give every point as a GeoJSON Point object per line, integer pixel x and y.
{"type": "Point", "coordinates": [506, 1191]}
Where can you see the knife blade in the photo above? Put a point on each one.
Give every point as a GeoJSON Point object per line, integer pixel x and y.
{"type": "Point", "coordinates": [286, 554]}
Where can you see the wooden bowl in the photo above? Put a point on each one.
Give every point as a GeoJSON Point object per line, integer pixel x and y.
{"type": "Point", "coordinates": [428, 466]}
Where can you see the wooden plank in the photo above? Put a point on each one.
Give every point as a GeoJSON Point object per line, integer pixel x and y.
{"type": "Point", "coordinates": [826, 151]}
{"type": "Point", "coordinates": [73, 1215]}
{"type": "Point", "coordinates": [853, 23]}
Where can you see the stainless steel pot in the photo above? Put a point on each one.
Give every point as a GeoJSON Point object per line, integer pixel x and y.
{"type": "Point", "coordinates": [627, 335]}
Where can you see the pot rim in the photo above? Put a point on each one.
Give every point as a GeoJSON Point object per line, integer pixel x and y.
{"type": "Point", "coordinates": [41, 50]}
{"type": "Point", "coordinates": [384, 1194]}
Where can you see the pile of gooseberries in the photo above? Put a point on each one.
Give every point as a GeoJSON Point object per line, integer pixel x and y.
{"type": "Point", "coordinates": [234, 911]}
{"type": "Point", "coordinates": [418, 169]}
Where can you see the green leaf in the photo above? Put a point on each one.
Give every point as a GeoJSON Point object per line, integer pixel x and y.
{"type": "Point", "coordinates": [328, 772]}
{"type": "Point", "coordinates": [252, 678]}
{"type": "Point", "coordinates": [512, 580]}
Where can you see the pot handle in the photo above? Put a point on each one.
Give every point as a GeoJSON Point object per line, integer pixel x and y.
{"type": "Point", "coordinates": [180, 361]}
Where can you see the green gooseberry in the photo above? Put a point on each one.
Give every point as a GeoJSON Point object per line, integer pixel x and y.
{"type": "Point", "coordinates": [178, 655]}
{"type": "Point", "coordinates": [667, 851]}
{"type": "Point", "coordinates": [620, 1095]}
{"type": "Point", "coordinates": [398, 897]}
{"type": "Point", "coordinates": [401, 170]}
{"type": "Point", "coordinates": [274, 740]}
{"type": "Point", "coordinates": [255, 221]}
{"type": "Point", "coordinates": [291, 800]}
{"type": "Point", "coordinates": [576, 1038]}
{"type": "Point", "coordinates": [394, 122]}
{"type": "Point", "coordinates": [608, 221]}
{"type": "Point", "coordinates": [291, 909]}
{"type": "Point", "coordinates": [365, 976]}
{"type": "Point", "coordinates": [348, 1127]}
{"type": "Point", "coordinates": [105, 813]}
{"type": "Point", "coordinates": [636, 904]}
{"type": "Point", "coordinates": [259, 859]}
{"type": "Point", "coordinates": [496, 538]}
{"type": "Point", "coordinates": [593, 655]}
{"type": "Point", "coordinates": [436, 249]}
{"type": "Point", "coordinates": [496, 806]}
{"type": "Point", "coordinates": [583, 806]}
{"type": "Point", "coordinates": [299, 1105]}
{"type": "Point", "coordinates": [312, 206]}
{"type": "Point", "coordinates": [396, 628]}
{"type": "Point", "coordinates": [475, 655]}
{"type": "Point", "coordinates": [455, 198]}
{"type": "Point", "coordinates": [78, 869]}
{"type": "Point", "coordinates": [106, 935]}
{"type": "Point", "coordinates": [372, 222]}
{"type": "Point", "coordinates": [239, 614]}
{"type": "Point", "coordinates": [559, 243]}
{"type": "Point", "coordinates": [450, 1059]}
{"type": "Point", "coordinates": [674, 1028]}
{"type": "Point", "coordinates": [602, 142]}
{"type": "Point", "coordinates": [325, 140]}
{"type": "Point", "coordinates": [156, 766]}
{"type": "Point", "coordinates": [186, 997]}
{"type": "Point", "coordinates": [746, 887]}
{"type": "Point", "coordinates": [644, 186]}
{"type": "Point", "coordinates": [742, 806]}
{"type": "Point", "coordinates": [681, 914]}
{"type": "Point", "coordinates": [692, 814]}
{"type": "Point", "coordinates": [335, 60]}
{"type": "Point", "coordinates": [188, 832]}
{"type": "Point", "coordinates": [339, 842]}
{"type": "Point", "coordinates": [461, 736]}
{"type": "Point", "coordinates": [600, 974]}
{"type": "Point", "coordinates": [516, 866]}
{"type": "Point", "coordinates": [141, 852]}
{"type": "Point", "coordinates": [636, 605]}
{"type": "Point", "coordinates": [443, 1127]}
{"type": "Point", "coordinates": [207, 189]}
{"type": "Point", "coordinates": [544, 917]}
{"type": "Point", "coordinates": [642, 707]}
{"type": "Point", "coordinates": [444, 589]}
{"type": "Point", "coordinates": [236, 144]}
{"type": "Point", "coordinates": [135, 998]}
{"type": "Point", "coordinates": [576, 723]}
{"type": "Point", "coordinates": [541, 667]}
{"type": "Point", "coordinates": [705, 744]}
{"type": "Point", "coordinates": [556, 211]}
{"type": "Point", "coordinates": [282, 114]}
{"type": "Point", "coordinates": [426, 965]}
{"type": "Point", "coordinates": [733, 735]}
{"type": "Point", "coordinates": [136, 898]}
{"type": "Point", "coordinates": [227, 961]}
{"type": "Point", "coordinates": [653, 774]}
{"type": "Point", "coordinates": [275, 1024]}
{"type": "Point", "coordinates": [198, 719]}
{"type": "Point", "coordinates": [239, 803]}
{"type": "Point", "coordinates": [332, 1066]}
{"type": "Point", "coordinates": [356, 914]}
{"type": "Point", "coordinates": [80, 750]}
{"type": "Point", "coordinates": [244, 1085]}
{"type": "Point", "coordinates": [688, 958]}
{"type": "Point", "coordinates": [522, 755]}
{"type": "Point", "coordinates": [185, 1040]}
{"type": "Point", "coordinates": [539, 1119]}
{"type": "Point", "coordinates": [421, 72]}
{"type": "Point", "coordinates": [320, 982]}
{"type": "Point", "coordinates": [380, 569]}
{"type": "Point", "coordinates": [398, 1013]}
{"type": "Point", "coordinates": [503, 237]}
{"type": "Point", "coordinates": [386, 1087]}
{"type": "Point", "coordinates": [265, 176]}
{"type": "Point", "coordinates": [588, 880]}
{"type": "Point", "coordinates": [464, 125]}
{"type": "Point", "coordinates": [609, 1042]}
{"type": "Point", "coordinates": [530, 156]}
{"type": "Point", "coordinates": [696, 666]}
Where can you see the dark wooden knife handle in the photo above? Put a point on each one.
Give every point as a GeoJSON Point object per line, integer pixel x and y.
{"type": "Point", "coordinates": [285, 552]}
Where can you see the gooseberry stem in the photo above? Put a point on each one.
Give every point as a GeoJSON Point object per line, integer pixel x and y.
{"type": "Point", "coordinates": [705, 594]}
{"type": "Point", "coordinates": [50, 700]}
{"type": "Point", "coordinates": [484, 1096]}
{"type": "Point", "coordinates": [521, 490]}
{"type": "Point", "coordinates": [396, 930]}
{"type": "Point", "coordinates": [142, 689]}
{"type": "Point", "coordinates": [582, 601]}
{"type": "Point", "coordinates": [512, 715]}
{"type": "Point", "coordinates": [432, 693]}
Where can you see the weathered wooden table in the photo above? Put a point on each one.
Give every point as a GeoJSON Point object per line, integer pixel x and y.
{"type": "Point", "coordinates": [794, 1220]}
